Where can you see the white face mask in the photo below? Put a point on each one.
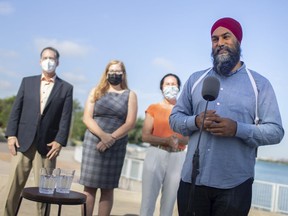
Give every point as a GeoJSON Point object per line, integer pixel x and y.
{"type": "Point", "coordinates": [170, 92]}
{"type": "Point", "coordinates": [48, 65]}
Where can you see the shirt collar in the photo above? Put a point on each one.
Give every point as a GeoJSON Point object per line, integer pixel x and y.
{"type": "Point", "coordinates": [52, 79]}
{"type": "Point", "coordinates": [240, 68]}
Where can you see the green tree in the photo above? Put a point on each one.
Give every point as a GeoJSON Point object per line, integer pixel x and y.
{"type": "Point", "coordinates": [5, 108]}
{"type": "Point", "coordinates": [135, 135]}
{"type": "Point", "coordinates": [77, 128]}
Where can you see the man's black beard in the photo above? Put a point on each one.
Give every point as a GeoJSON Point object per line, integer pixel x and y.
{"type": "Point", "coordinates": [223, 64]}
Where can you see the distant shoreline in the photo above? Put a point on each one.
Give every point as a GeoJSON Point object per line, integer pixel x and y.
{"type": "Point", "coordinates": [281, 161]}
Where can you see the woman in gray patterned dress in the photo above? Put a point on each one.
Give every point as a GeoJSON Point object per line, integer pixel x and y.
{"type": "Point", "coordinates": [110, 113]}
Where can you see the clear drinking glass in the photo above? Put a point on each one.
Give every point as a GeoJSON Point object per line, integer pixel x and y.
{"type": "Point", "coordinates": [48, 180]}
{"type": "Point", "coordinates": [64, 181]}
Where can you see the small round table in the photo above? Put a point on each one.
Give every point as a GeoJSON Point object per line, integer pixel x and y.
{"type": "Point", "coordinates": [72, 198]}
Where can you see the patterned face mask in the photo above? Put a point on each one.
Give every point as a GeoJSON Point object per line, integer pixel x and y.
{"type": "Point", "coordinates": [170, 92]}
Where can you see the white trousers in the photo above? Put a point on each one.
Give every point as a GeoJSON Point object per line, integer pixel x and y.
{"type": "Point", "coordinates": [161, 170]}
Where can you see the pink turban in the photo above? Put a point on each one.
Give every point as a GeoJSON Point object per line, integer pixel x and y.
{"type": "Point", "coordinates": [231, 24]}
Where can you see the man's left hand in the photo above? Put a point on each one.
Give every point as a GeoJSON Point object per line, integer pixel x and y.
{"type": "Point", "coordinates": [54, 151]}
{"type": "Point", "coordinates": [223, 127]}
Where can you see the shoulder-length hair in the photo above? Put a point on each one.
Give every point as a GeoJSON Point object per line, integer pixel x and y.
{"type": "Point", "coordinates": [103, 86]}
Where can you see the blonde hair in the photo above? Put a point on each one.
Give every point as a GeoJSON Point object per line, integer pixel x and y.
{"type": "Point", "coordinates": [103, 86]}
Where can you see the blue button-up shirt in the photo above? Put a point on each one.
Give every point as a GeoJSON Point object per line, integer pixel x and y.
{"type": "Point", "coordinates": [226, 162]}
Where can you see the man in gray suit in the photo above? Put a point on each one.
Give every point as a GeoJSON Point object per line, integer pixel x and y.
{"type": "Point", "coordinates": [38, 126]}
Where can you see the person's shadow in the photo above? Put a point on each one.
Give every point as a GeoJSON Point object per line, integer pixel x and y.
{"type": "Point", "coordinates": [126, 215]}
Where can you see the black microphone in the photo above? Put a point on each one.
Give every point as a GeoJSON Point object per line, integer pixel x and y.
{"type": "Point", "coordinates": [210, 91]}
{"type": "Point", "coordinates": [210, 88]}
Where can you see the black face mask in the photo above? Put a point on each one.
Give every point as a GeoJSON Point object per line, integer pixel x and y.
{"type": "Point", "coordinates": [114, 79]}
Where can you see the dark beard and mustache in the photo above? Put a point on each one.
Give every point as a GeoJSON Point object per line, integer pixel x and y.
{"type": "Point", "coordinates": [224, 63]}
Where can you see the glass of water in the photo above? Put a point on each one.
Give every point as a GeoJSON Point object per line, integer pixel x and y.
{"type": "Point", "coordinates": [48, 180]}
{"type": "Point", "coordinates": [64, 181]}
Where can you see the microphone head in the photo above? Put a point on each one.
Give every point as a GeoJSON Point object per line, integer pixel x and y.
{"type": "Point", "coordinates": [210, 88]}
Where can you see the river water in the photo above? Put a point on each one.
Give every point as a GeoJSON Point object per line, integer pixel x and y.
{"type": "Point", "coordinates": [271, 172]}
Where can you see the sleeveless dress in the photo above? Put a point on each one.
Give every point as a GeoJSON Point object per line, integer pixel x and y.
{"type": "Point", "coordinates": [103, 169]}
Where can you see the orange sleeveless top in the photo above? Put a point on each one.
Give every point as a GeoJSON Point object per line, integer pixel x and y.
{"type": "Point", "coordinates": [161, 127]}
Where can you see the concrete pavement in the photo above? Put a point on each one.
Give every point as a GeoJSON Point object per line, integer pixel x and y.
{"type": "Point", "coordinates": [126, 202]}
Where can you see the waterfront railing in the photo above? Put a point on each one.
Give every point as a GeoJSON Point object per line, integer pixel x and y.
{"type": "Point", "coordinates": [266, 195]}
{"type": "Point", "coordinates": [270, 196]}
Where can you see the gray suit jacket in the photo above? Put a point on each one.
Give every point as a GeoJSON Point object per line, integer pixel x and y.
{"type": "Point", "coordinates": [26, 121]}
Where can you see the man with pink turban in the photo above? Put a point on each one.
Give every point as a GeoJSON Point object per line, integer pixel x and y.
{"type": "Point", "coordinates": [218, 171]}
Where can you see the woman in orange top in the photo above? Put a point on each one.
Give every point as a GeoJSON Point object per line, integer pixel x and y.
{"type": "Point", "coordinates": [165, 156]}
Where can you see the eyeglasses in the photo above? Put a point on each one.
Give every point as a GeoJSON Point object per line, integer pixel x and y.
{"type": "Point", "coordinates": [115, 72]}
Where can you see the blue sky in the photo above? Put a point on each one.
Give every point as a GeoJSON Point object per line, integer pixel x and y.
{"type": "Point", "coordinates": [152, 38]}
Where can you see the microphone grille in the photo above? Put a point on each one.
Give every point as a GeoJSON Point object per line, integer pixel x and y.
{"type": "Point", "coordinates": [210, 88]}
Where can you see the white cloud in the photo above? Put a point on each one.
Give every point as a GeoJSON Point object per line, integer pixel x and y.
{"type": "Point", "coordinates": [75, 79]}
{"type": "Point", "coordinates": [6, 8]}
{"type": "Point", "coordinates": [65, 47]}
{"type": "Point", "coordinates": [8, 53]}
{"type": "Point", "coordinates": [163, 63]}
{"type": "Point", "coordinates": [8, 73]}
{"type": "Point", "coordinates": [5, 85]}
